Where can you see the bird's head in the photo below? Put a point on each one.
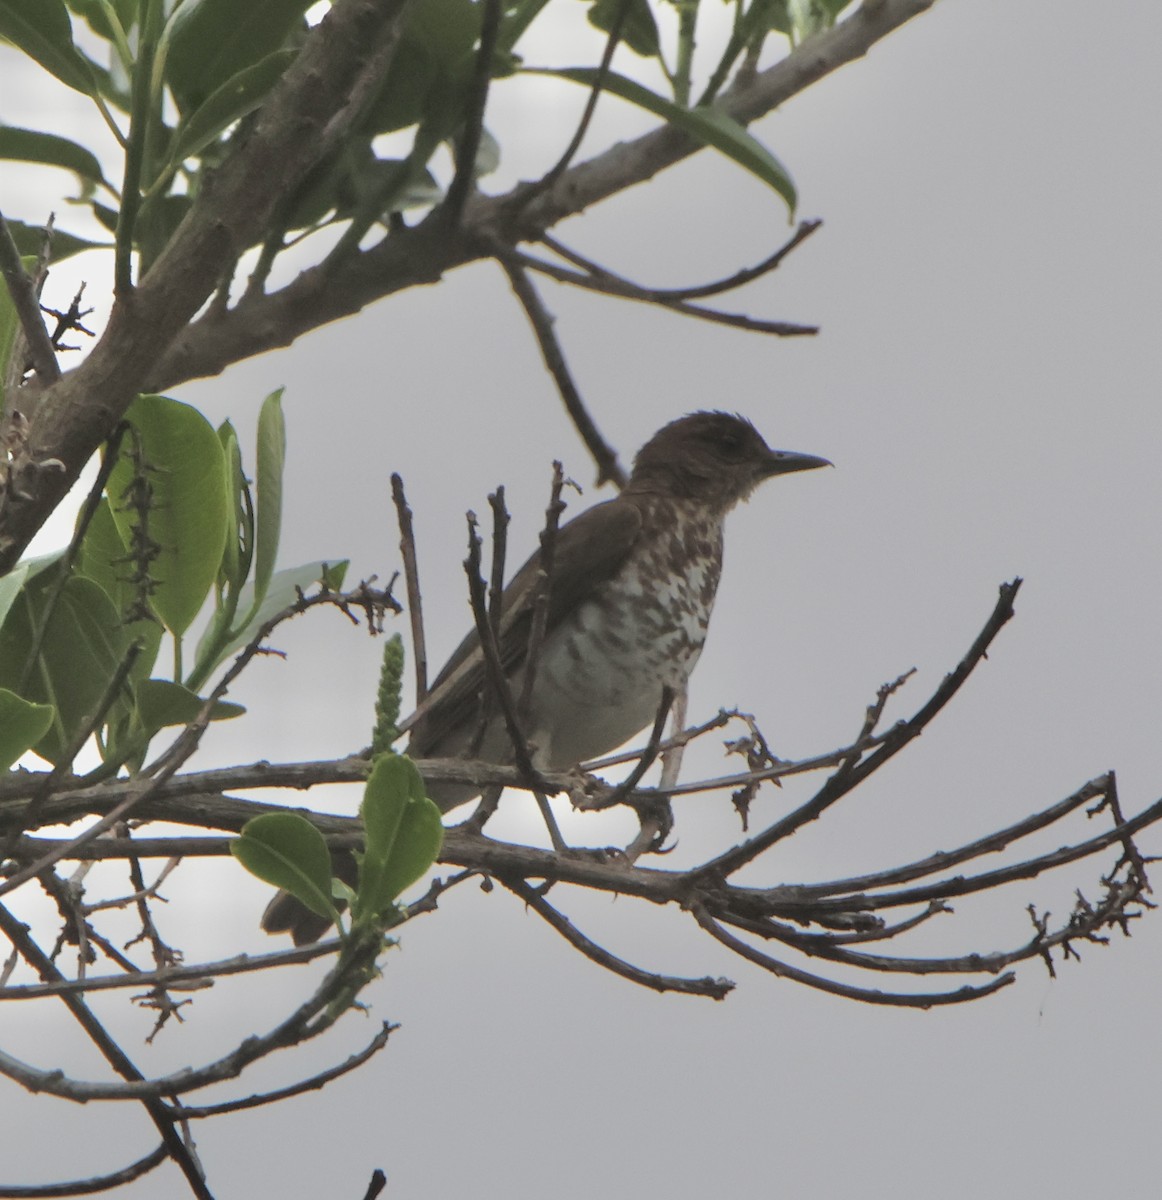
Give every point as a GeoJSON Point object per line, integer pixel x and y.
{"type": "Point", "coordinates": [714, 457]}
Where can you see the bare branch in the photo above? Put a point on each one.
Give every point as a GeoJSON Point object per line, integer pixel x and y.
{"type": "Point", "coordinates": [22, 289]}
{"type": "Point", "coordinates": [91, 1185]}
{"type": "Point", "coordinates": [176, 1148]}
{"type": "Point", "coordinates": [607, 284]}
{"type": "Point", "coordinates": [411, 574]}
{"type": "Point", "coordinates": [716, 989]}
{"type": "Point", "coordinates": [452, 208]}
{"type": "Point", "coordinates": [312, 1084]}
{"type": "Point", "coordinates": [845, 779]}
{"type": "Point", "coordinates": [869, 996]}
{"type": "Point", "coordinates": [608, 467]}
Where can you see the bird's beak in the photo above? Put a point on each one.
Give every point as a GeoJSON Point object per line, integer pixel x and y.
{"type": "Point", "coordinates": [783, 462]}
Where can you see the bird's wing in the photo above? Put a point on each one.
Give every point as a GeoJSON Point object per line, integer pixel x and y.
{"type": "Point", "coordinates": [588, 551]}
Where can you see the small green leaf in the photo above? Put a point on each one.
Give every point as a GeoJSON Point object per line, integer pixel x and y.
{"type": "Point", "coordinates": [271, 460]}
{"type": "Point", "coordinates": [29, 145]}
{"type": "Point", "coordinates": [239, 95]}
{"type": "Point", "coordinates": [403, 834]}
{"type": "Point", "coordinates": [707, 124]}
{"type": "Point", "coordinates": [22, 725]}
{"type": "Point", "coordinates": [161, 703]}
{"type": "Point", "coordinates": [213, 41]}
{"type": "Point", "coordinates": [237, 550]}
{"type": "Point", "coordinates": [188, 515]}
{"type": "Point", "coordinates": [392, 782]}
{"type": "Point", "coordinates": [286, 850]}
{"type": "Point", "coordinates": [333, 574]}
{"type": "Point", "coordinates": [639, 31]}
{"type": "Point", "coordinates": [41, 28]}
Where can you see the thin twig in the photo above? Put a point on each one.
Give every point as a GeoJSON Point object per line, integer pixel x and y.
{"type": "Point", "coordinates": [612, 285]}
{"type": "Point", "coordinates": [608, 467]}
{"type": "Point", "coordinates": [699, 291]}
{"type": "Point", "coordinates": [868, 995]}
{"type": "Point", "coordinates": [182, 1155]}
{"type": "Point", "coordinates": [311, 1084]}
{"type": "Point", "coordinates": [561, 165]}
{"type": "Point", "coordinates": [469, 144]}
{"type": "Point", "coordinates": [897, 738]}
{"type": "Point", "coordinates": [89, 1186]}
{"type": "Point", "coordinates": [22, 289]}
{"type": "Point", "coordinates": [411, 574]}
{"type": "Point", "coordinates": [945, 859]}
{"type": "Point", "coordinates": [500, 686]}
{"type": "Point", "coordinates": [542, 587]}
{"type": "Point", "coordinates": [716, 989]}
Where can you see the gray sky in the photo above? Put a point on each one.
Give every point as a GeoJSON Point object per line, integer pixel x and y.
{"type": "Point", "coordinates": [986, 382]}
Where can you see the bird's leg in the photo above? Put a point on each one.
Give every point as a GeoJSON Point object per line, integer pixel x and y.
{"type": "Point", "coordinates": [657, 824]}
{"type": "Point", "coordinates": [654, 812]}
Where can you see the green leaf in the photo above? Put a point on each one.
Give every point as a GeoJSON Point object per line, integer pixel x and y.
{"type": "Point", "coordinates": [188, 514]}
{"type": "Point", "coordinates": [101, 556]}
{"type": "Point", "coordinates": [157, 222]}
{"type": "Point", "coordinates": [84, 644]}
{"type": "Point", "coordinates": [161, 703]}
{"type": "Point", "coordinates": [237, 550]}
{"type": "Point", "coordinates": [271, 460]}
{"type": "Point", "coordinates": [93, 12]}
{"type": "Point", "coordinates": [239, 95]}
{"type": "Point", "coordinates": [404, 94]}
{"type": "Point", "coordinates": [29, 238]}
{"type": "Point", "coordinates": [286, 850]}
{"type": "Point", "coordinates": [10, 586]}
{"type": "Point", "coordinates": [403, 834]}
{"type": "Point", "coordinates": [42, 29]}
{"type": "Point", "coordinates": [639, 31]}
{"type": "Point", "coordinates": [213, 41]}
{"type": "Point", "coordinates": [22, 725]}
{"type": "Point", "coordinates": [29, 145]}
{"type": "Point", "coordinates": [708, 125]}
{"type": "Point", "coordinates": [333, 574]}
{"type": "Point", "coordinates": [432, 63]}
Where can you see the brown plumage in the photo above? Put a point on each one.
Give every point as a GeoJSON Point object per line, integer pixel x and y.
{"type": "Point", "coordinates": [630, 596]}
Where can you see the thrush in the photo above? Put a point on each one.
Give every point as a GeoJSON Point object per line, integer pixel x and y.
{"type": "Point", "coordinates": [628, 605]}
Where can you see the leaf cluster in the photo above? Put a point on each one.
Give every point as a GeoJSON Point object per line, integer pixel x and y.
{"type": "Point", "coordinates": [173, 529]}
{"type": "Point", "coordinates": [177, 85]}
{"type": "Point", "coordinates": [402, 839]}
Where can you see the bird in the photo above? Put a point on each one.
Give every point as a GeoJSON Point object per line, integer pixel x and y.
{"type": "Point", "coordinates": [630, 594]}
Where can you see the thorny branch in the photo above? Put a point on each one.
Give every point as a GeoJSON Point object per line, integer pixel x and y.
{"type": "Point", "coordinates": [818, 934]}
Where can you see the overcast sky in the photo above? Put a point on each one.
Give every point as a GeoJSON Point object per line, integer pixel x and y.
{"type": "Point", "coordinates": [986, 382]}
